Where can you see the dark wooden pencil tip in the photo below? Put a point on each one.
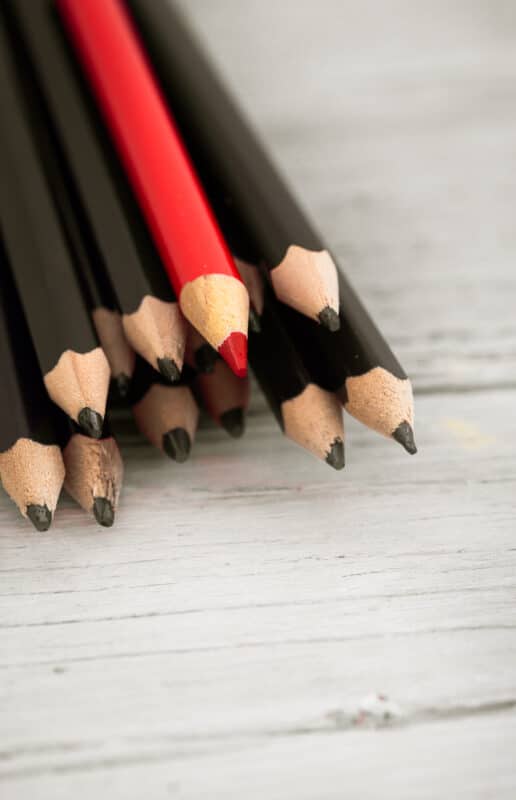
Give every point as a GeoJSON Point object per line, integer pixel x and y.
{"type": "Point", "coordinates": [233, 421]}
{"type": "Point", "coordinates": [123, 382]}
{"type": "Point", "coordinates": [169, 369]}
{"type": "Point", "coordinates": [91, 422]}
{"type": "Point", "coordinates": [103, 511]}
{"type": "Point", "coordinates": [329, 319]}
{"type": "Point", "coordinates": [205, 358]}
{"type": "Point", "coordinates": [177, 444]}
{"type": "Point", "coordinates": [254, 321]}
{"type": "Point", "coordinates": [404, 435]}
{"type": "Point", "coordinates": [40, 516]}
{"type": "Point", "coordinates": [335, 457]}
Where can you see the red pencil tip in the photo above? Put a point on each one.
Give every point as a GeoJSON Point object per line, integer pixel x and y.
{"type": "Point", "coordinates": [234, 352]}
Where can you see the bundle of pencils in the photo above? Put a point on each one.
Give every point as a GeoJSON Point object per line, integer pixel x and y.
{"type": "Point", "coordinates": [144, 234]}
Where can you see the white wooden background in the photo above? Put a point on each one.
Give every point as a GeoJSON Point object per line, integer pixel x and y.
{"type": "Point", "coordinates": [234, 635]}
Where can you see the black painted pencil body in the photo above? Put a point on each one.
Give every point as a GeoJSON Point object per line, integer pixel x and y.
{"type": "Point", "coordinates": [74, 367]}
{"type": "Point", "coordinates": [302, 271]}
{"type": "Point", "coordinates": [151, 318]}
{"type": "Point", "coordinates": [95, 284]}
{"type": "Point", "coordinates": [31, 467]}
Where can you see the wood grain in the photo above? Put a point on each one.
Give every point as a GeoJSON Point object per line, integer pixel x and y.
{"type": "Point", "coordinates": [231, 635]}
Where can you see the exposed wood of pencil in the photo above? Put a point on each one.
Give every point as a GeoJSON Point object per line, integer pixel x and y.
{"type": "Point", "coordinates": [166, 415]}
{"type": "Point", "coordinates": [31, 467]}
{"type": "Point", "coordinates": [194, 254]}
{"type": "Point", "coordinates": [302, 271]}
{"type": "Point", "coordinates": [94, 474]}
{"type": "Point", "coordinates": [131, 270]}
{"type": "Point", "coordinates": [309, 415]}
{"type": "Point", "coordinates": [225, 397]}
{"type": "Point", "coordinates": [95, 283]}
{"type": "Point", "coordinates": [75, 369]}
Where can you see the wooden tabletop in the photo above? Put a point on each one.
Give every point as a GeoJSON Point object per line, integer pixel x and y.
{"type": "Point", "coordinates": [256, 625]}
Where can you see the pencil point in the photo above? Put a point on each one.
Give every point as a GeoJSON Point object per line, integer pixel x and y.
{"type": "Point", "coordinates": [254, 321]}
{"type": "Point", "coordinates": [329, 319]}
{"type": "Point", "coordinates": [40, 516]}
{"type": "Point", "coordinates": [169, 369]}
{"type": "Point", "coordinates": [205, 358]}
{"type": "Point", "coordinates": [234, 352]}
{"type": "Point", "coordinates": [177, 444]}
{"type": "Point", "coordinates": [335, 457]}
{"type": "Point", "coordinates": [122, 382]}
{"type": "Point", "coordinates": [404, 435]}
{"type": "Point", "coordinates": [103, 511]}
{"type": "Point", "coordinates": [91, 422]}
{"type": "Point", "coordinates": [233, 421]}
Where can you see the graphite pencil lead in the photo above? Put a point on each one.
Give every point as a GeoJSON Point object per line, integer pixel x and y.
{"type": "Point", "coordinates": [233, 421]}
{"type": "Point", "coordinates": [205, 357]}
{"type": "Point", "coordinates": [329, 319]}
{"type": "Point", "coordinates": [40, 516]}
{"type": "Point", "coordinates": [169, 369]}
{"type": "Point", "coordinates": [91, 422]}
{"type": "Point", "coordinates": [103, 511]}
{"type": "Point", "coordinates": [404, 435]}
{"type": "Point", "coordinates": [177, 444]}
{"type": "Point", "coordinates": [335, 457]}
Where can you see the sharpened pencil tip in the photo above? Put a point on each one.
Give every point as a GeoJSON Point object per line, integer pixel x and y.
{"type": "Point", "coordinates": [329, 319]}
{"type": "Point", "coordinates": [254, 321]}
{"type": "Point", "coordinates": [91, 422]}
{"type": "Point", "coordinates": [123, 382]}
{"type": "Point", "coordinates": [177, 444]}
{"type": "Point", "coordinates": [205, 358]}
{"type": "Point", "coordinates": [103, 511]}
{"type": "Point", "coordinates": [404, 435]}
{"type": "Point", "coordinates": [169, 369]}
{"type": "Point", "coordinates": [40, 516]}
{"type": "Point", "coordinates": [234, 352]}
{"type": "Point", "coordinates": [233, 421]}
{"type": "Point", "coordinates": [335, 457]}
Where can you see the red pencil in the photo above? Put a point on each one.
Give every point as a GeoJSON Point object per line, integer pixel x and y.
{"type": "Point", "coordinates": [199, 265]}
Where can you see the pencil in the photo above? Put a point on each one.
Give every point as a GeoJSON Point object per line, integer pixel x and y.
{"type": "Point", "coordinates": [225, 397]}
{"type": "Point", "coordinates": [150, 314]}
{"type": "Point", "coordinates": [95, 284]}
{"type": "Point", "coordinates": [166, 415]}
{"type": "Point", "coordinates": [199, 355]}
{"type": "Point", "coordinates": [301, 269]}
{"type": "Point", "coordinates": [357, 363]}
{"type": "Point", "coordinates": [307, 414]}
{"type": "Point", "coordinates": [74, 367]}
{"type": "Point", "coordinates": [94, 470]}
{"type": "Point", "coordinates": [211, 294]}
{"type": "Point", "coordinates": [31, 466]}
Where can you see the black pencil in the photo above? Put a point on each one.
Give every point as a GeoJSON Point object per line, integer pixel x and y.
{"type": "Point", "coordinates": [309, 415]}
{"type": "Point", "coordinates": [97, 289]}
{"type": "Point", "coordinates": [31, 467]}
{"type": "Point", "coordinates": [301, 269]}
{"type": "Point", "coordinates": [167, 415]}
{"type": "Point", "coordinates": [150, 314]}
{"type": "Point", "coordinates": [357, 363]}
{"type": "Point", "coordinates": [74, 367]}
{"type": "Point", "coordinates": [94, 470]}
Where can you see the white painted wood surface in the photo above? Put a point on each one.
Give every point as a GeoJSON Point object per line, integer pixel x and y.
{"type": "Point", "coordinates": [230, 637]}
